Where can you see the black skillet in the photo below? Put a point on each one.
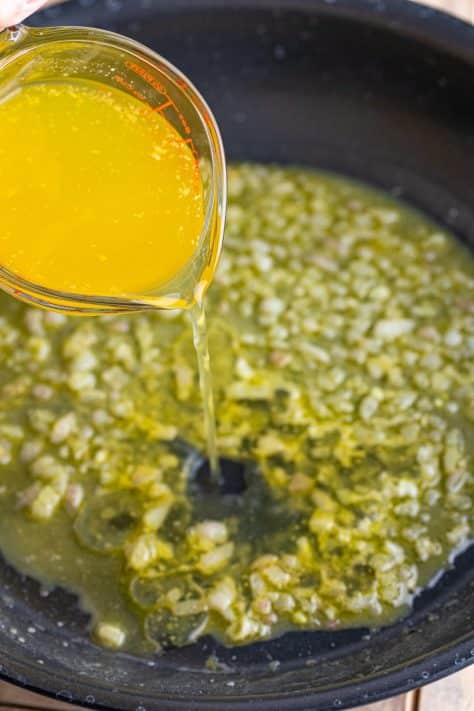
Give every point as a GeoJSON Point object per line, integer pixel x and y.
{"type": "Point", "coordinates": [379, 90]}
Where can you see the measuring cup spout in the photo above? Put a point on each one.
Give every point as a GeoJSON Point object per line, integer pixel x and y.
{"type": "Point", "coordinates": [11, 38]}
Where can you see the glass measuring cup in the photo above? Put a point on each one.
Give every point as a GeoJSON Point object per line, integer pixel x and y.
{"type": "Point", "coordinates": [29, 56]}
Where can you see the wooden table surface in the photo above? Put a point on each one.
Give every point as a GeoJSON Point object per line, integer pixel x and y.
{"type": "Point", "coordinates": [456, 693]}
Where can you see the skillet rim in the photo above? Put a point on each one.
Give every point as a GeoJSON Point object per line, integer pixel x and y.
{"type": "Point", "coordinates": [456, 38]}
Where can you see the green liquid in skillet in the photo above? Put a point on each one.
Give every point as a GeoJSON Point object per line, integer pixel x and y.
{"type": "Point", "coordinates": [341, 328]}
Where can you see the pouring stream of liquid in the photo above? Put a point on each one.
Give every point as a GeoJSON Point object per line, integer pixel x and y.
{"type": "Point", "coordinates": [112, 223]}
{"type": "Point", "coordinates": [201, 345]}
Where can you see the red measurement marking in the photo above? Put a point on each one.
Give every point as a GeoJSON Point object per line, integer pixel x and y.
{"type": "Point", "coordinates": [152, 81]}
{"type": "Point", "coordinates": [164, 106]}
{"type": "Point", "coordinates": [184, 123]}
{"type": "Point", "coordinates": [147, 76]}
{"type": "Point", "coordinates": [197, 172]}
{"type": "Point", "coordinates": [127, 85]}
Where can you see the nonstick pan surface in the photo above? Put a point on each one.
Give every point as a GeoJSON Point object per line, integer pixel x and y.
{"type": "Point", "coordinates": [383, 91]}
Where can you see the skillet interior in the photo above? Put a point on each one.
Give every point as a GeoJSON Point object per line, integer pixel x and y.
{"type": "Point", "coordinates": [381, 93]}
